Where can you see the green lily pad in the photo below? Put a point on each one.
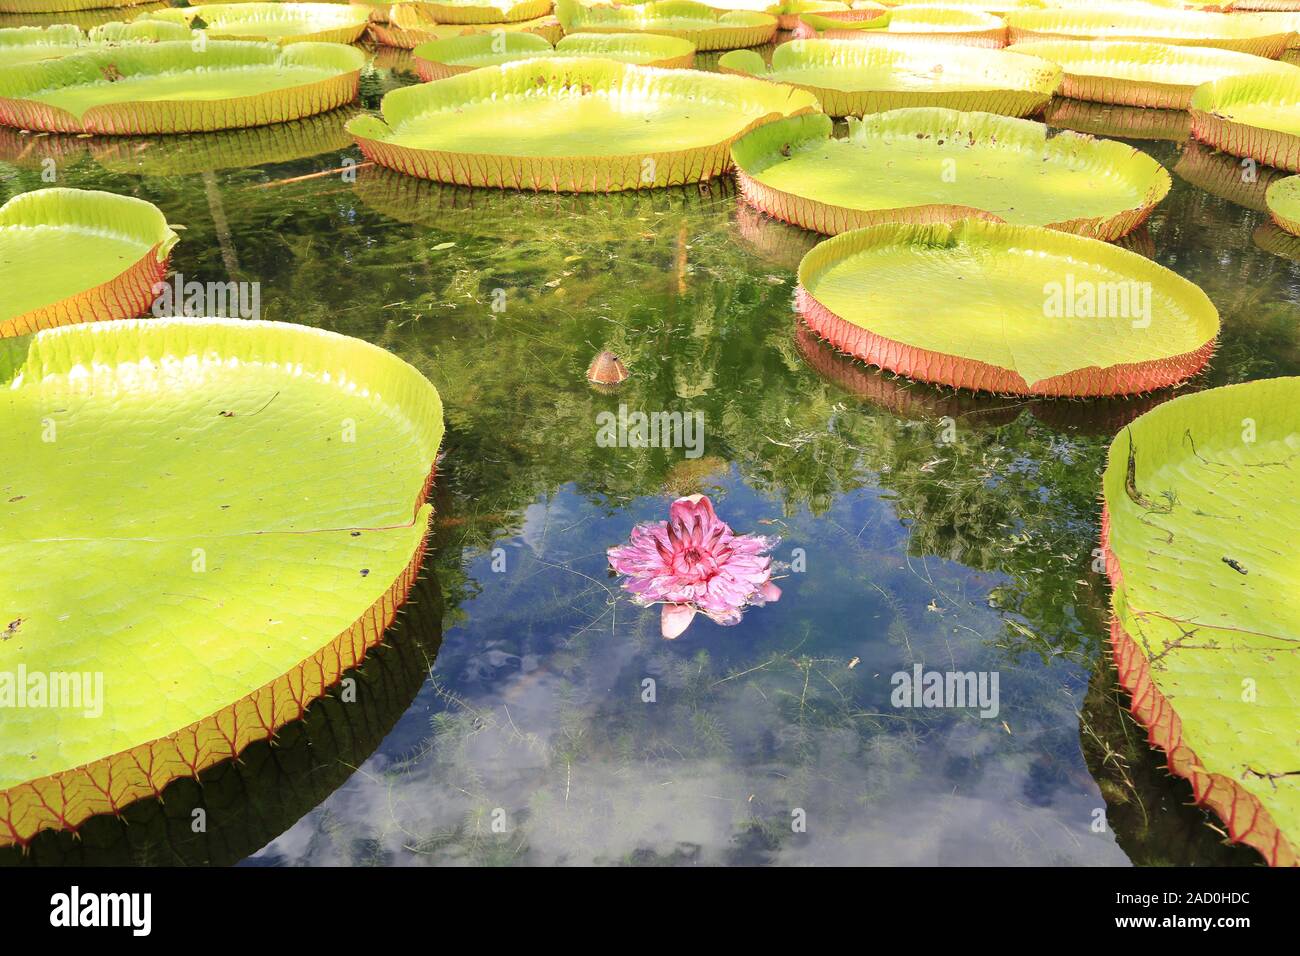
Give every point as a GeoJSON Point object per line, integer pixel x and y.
{"type": "Point", "coordinates": [281, 23]}
{"type": "Point", "coordinates": [1144, 74]}
{"type": "Point", "coordinates": [409, 25]}
{"type": "Point", "coordinates": [933, 165]}
{"type": "Point", "coordinates": [484, 11]}
{"type": "Point", "coordinates": [54, 7]}
{"type": "Point", "coordinates": [178, 88]}
{"type": "Point", "coordinates": [707, 28]}
{"type": "Point", "coordinates": [439, 59]}
{"type": "Point", "coordinates": [1199, 495]}
{"type": "Point", "coordinates": [73, 255]}
{"type": "Point", "coordinates": [1000, 308]}
{"type": "Point", "coordinates": [1283, 198]}
{"type": "Point", "coordinates": [31, 44]}
{"type": "Point", "coordinates": [577, 125]}
{"type": "Point", "coordinates": [1151, 25]}
{"type": "Point", "coordinates": [910, 24]}
{"type": "Point", "coordinates": [216, 518]}
{"type": "Point", "coordinates": [1253, 116]}
{"type": "Point", "coordinates": [851, 79]}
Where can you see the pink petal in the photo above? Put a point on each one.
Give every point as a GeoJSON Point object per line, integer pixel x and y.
{"type": "Point", "coordinates": [675, 619]}
{"type": "Point", "coordinates": [770, 592]}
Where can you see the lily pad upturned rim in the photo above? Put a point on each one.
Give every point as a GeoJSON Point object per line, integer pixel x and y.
{"type": "Point", "coordinates": [708, 28]}
{"type": "Point", "coordinates": [18, 83]}
{"type": "Point", "coordinates": [1155, 91]}
{"type": "Point", "coordinates": [406, 28]}
{"type": "Point", "coordinates": [66, 39]}
{"type": "Point", "coordinates": [439, 59]}
{"type": "Point", "coordinates": [1283, 199]}
{"type": "Point", "coordinates": [483, 11]}
{"type": "Point", "coordinates": [1188, 429]}
{"type": "Point", "coordinates": [1213, 126]}
{"type": "Point", "coordinates": [69, 795]}
{"type": "Point", "coordinates": [1153, 25]}
{"type": "Point", "coordinates": [321, 22]}
{"type": "Point", "coordinates": [128, 294]}
{"type": "Point", "coordinates": [65, 6]}
{"type": "Point", "coordinates": [774, 143]}
{"type": "Point", "coordinates": [941, 368]}
{"type": "Point", "coordinates": [580, 173]}
{"type": "Point", "coordinates": [910, 25]}
{"type": "Point", "coordinates": [1037, 79]}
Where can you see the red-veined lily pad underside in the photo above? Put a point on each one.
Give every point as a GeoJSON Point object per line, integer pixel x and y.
{"type": "Point", "coordinates": [910, 25]}
{"type": "Point", "coordinates": [72, 255]}
{"type": "Point", "coordinates": [276, 22]}
{"type": "Point", "coordinates": [707, 28]}
{"type": "Point", "coordinates": [408, 26]}
{"type": "Point", "coordinates": [934, 165]}
{"type": "Point", "coordinates": [1145, 74]}
{"type": "Point", "coordinates": [1283, 199]}
{"type": "Point", "coordinates": [30, 44]}
{"type": "Point", "coordinates": [227, 518]}
{"type": "Point", "coordinates": [850, 79]}
{"type": "Point", "coordinates": [577, 125]}
{"type": "Point", "coordinates": [1009, 309]}
{"type": "Point", "coordinates": [1153, 25]}
{"type": "Point", "coordinates": [439, 59]}
{"type": "Point", "coordinates": [1254, 116]}
{"type": "Point", "coordinates": [1200, 504]}
{"type": "Point", "coordinates": [175, 88]}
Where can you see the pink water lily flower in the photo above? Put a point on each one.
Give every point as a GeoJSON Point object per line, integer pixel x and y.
{"type": "Point", "coordinates": [694, 563]}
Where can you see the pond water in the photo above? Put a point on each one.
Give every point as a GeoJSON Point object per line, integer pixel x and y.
{"type": "Point", "coordinates": [507, 721]}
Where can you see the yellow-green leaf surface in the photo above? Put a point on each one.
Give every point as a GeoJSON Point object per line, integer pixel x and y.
{"type": "Point", "coordinates": [483, 11]}
{"type": "Point", "coordinates": [30, 44]}
{"type": "Point", "coordinates": [1256, 116]}
{"type": "Point", "coordinates": [178, 87]}
{"type": "Point", "coordinates": [948, 25]}
{"type": "Point", "coordinates": [1201, 496]}
{"type": "Point", "coordinates": [73, 255]}
{"type": "Point", "coordinates": [707, 28]}
{"type": "Point", "coordinates": [54, 7]}
{"type": "Point", "coordinates": [1060, 313]}
{"type": "Point", "coordinates": [850, 79]}
{"type": "Point", "coordinates": [215, 517]}
{"type": "Point", "coordinates": [1144, 74]}
{"type": "Point", "coordinates": [279, 22]}
{"type": "Point", "coordinates": [919, 165]}
{"type": "Point", "coordinates": [576, 124]}
{"type": "Point", "coordinates": [1283, 198]}
{"type": "Point", "coordinates": [1153, 24]}
{"type": "Point", "coordinates": [441, 58]}
{"type": "Point", "coordinates": [409, 24]}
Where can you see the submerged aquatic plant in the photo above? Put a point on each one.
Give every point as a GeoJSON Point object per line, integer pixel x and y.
{"type": "Point", "coordinates": [694, 563]}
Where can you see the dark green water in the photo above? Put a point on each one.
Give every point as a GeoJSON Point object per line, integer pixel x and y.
{"type": "Point", "coordinates": [505, 722]}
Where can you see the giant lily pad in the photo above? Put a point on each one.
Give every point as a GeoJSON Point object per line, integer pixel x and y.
{"type": "Point", "coordinates": [707, 28]}
{"type": "Point", "coordinates": [1155, 25]}
{"type": "Point", "coordinates": [276, 22]}
{"type": "Point", "coordinates": [442, 58]}
{"type": "Point", "coordinates": [1125, 122]}
{"type": "Point", "coordinates": [1283, 198]}
{"type": "Point", "coordinates": [72, 255]}
{"type": "Point", "coordinates": [910, 24]}
{"type": "Point", "coordinates": [891, 168]}
{"type": "Point", "coordinates": [229, 518]}
{"type": "Point", "coordinates": [484, 11]}
{"type": "Point", "coordinates": [409, 25]}
{"type": "Point", "coordinates": [63, 6]}
{"type": "Point", "coordinates": [1226, 176]}
{"type": "Point", "coordinates": [850, 79]}
{"type": "Point", "coordinates": [30, 44]}
{"type": "Point", "coordinates": [1000, 308]}
{"type": "Point", "coordinates": [577, 125]}
{"type": "Point", "coordinates": [1253, 116]}
{"type": "Point", "coordinates": [1200, 497]}
{"type": "Point", "coordinates": [1144, 74]}
{"type": "Point", "coordinates": [176, 88]}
